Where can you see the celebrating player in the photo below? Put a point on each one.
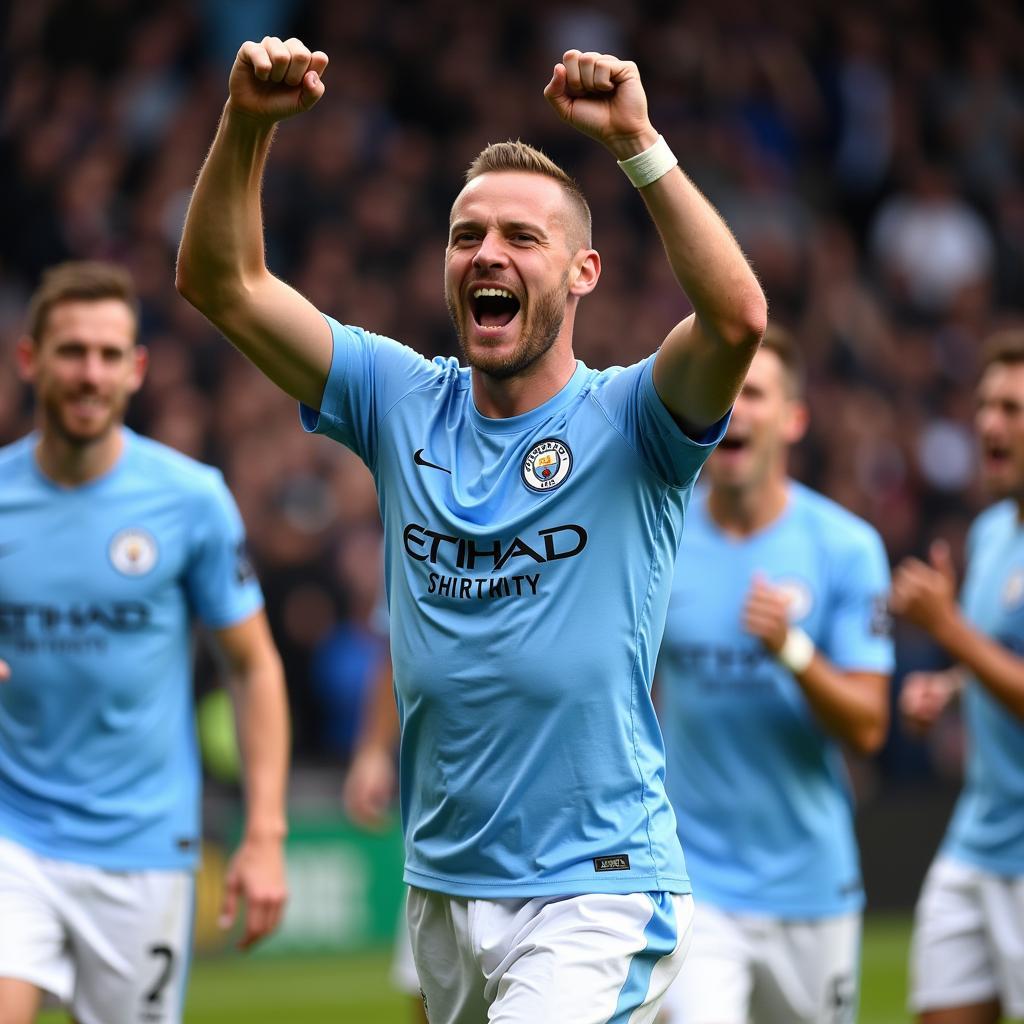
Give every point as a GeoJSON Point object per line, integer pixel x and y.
{"type": "Point", "coordinates": [110, 544]}
{"type": "Point", "coordinates": [967, 958]}
{"type": "Point", "coordinates": [532, 508]}
{"type": "Point", "coordinates": [776, 646]}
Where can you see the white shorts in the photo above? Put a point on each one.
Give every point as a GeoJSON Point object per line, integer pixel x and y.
{"type": "Point", "coordinates": [593, 959]}
{"type": "Point", "coordinates": [403, 966]}
{"type": "Point", "coordinates": [968, 943]}
{"type": "Point", "coordinates": [765, 969]}
{"type": "Point", "coordinates": [111, 946]}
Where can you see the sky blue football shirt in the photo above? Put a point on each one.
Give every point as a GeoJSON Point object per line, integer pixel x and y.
{"type": "Point", "coordinates": [98, 588]}
{"type": "Point", "coordinates": [987, 828]}
{"type": "Point", "coordinates": [528, 564]}
{"type": "Point", "coordinates": [758, 787]}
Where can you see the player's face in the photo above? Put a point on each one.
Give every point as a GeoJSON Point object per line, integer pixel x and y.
{"type": "Point", "coordinates": [84, 367]}
{"type": "Point", "coordinates": [766, 419]}
{"type": "Point", "coordinates": [1000, 424]}
{"type": "Point", "coordinates": [509, 270]}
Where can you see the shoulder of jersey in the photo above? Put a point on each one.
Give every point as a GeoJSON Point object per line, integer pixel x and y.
{"type": "Point", "coordinates": [15, 456]}
{"type": "Point", "coordinates": [834, 523]}
{"type": "Point", "coordinates": [174, 466]}
{"type": "Point", "coordinates": [997, 513]}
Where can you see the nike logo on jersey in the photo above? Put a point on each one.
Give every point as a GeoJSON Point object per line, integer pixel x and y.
{"type": "Point", "coordinates": [420, 461]}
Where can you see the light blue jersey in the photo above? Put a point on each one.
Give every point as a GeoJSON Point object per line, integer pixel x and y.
{"type": "Point", "coordinates": [987, 828]}
{"type": "Point", "coordinates": [98, 587]}
{"type": "Point", "coordinates": [758, 787]}
{"type": "Point", "coordinates": [528, 564]}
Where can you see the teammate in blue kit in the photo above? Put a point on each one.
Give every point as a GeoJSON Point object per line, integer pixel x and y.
{"type": "Point", "coordinates": [776, 646]}
{"type": "Point", "coordinates": [532, 509]}
{"type": "Point", "coordinates": [967, 957]}
{"type": "Point", "coordinates": [110, 545]}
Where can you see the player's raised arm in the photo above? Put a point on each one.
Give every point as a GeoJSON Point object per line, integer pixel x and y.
{"type": "Point", "coordinates": [221, 266]}
{"type": "Point", "coordinates": [702, 363]}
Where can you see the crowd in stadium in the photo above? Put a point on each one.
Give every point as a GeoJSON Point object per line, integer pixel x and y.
{"type": "Point", "coordinates": [868, 159]}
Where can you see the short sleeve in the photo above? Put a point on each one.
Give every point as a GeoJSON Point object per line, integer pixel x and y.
{"type": "Point", "coordinates": [369, 374]}
{"type": "Point", "coordinates": [859, 636]}
{"type": "Point", "coordinates": [634, 407]}
{"type": "Point", "coordinates": [221, 581]}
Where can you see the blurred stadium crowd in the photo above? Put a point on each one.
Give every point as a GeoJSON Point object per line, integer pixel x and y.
{"type": "Point", "coordinates": [868, 157]}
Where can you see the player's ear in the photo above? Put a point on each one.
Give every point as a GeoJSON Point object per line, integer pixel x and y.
{"type": "Point", "coordinates": [140, 363]}
{"type": "Point", "coordinates": [584, 272]}
{"type": "Point", "coordinates": [25, 352]}
{"type": "Point", "coordinates": [797, 420]}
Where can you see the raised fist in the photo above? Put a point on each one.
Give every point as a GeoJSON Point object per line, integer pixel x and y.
{"type": "Point", "coordinates": [272, 80]}
{"type": "Point", "coordinates": [602, 96]}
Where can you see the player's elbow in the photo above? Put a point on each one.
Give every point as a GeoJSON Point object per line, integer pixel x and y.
{"type": "Point", "coordinates": [746, 327]}
{"type": "Point", "coordinates": [213, 293]}
{"type": "Point", "coordinates": [870, 736]}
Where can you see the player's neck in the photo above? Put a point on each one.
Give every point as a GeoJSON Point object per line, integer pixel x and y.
{"type": "Point", "coordinates": [70, 464]}
{"type": "Point", "coordinates": [513, 396]}
{"type": "Point", "coordinates": [742, 512]}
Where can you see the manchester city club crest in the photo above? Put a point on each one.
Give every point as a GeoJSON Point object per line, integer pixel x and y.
{"type": "Point", "coordinates": [133, 552]}
{"type": "Point", "coordinates": [547, 464]}
{"type": "Point", "coordinates": [798, 596]}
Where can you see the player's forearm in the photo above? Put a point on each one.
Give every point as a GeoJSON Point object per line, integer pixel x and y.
{"type": "Point", "coordinates": [853, 710]}
{"type": "Point", "coordinates": [707, 261]}
{"type": "Point", "coordinates": [221, 249]}
{"type": "Point", "coordinates": [380, 729]}
{"type": "Point", "coordinates": [261, 710]}
{"type": "Point", "coordinates": [998, 669]}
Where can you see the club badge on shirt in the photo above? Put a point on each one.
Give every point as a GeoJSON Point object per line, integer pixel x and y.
{"type": "Point", "coordinates": [547, 465]}
{"type": "Point", "coordinates": [133, 552]}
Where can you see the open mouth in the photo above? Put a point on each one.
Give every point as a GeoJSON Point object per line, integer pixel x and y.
{"type": "Point", "coordinates": [732, 444]}
{"type": "Point", "coordinates": [493, 308]}
{"type": "Point", "coordinates": [996, 455]}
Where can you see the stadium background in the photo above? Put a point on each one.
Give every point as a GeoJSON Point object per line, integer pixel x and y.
{"type": "Point", "coordinates": [867, 157]}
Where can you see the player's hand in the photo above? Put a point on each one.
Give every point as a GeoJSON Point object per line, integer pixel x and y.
{"type": "Point", "coordinates": [766, 614]}
{"type": "Point", "coordinates": [272, 80]}
{"type": "Point", "coordinates": [925, 594]}
{"type": "Point", "coordinates": [5, 671]}
{"type": "Point", "coordinates": [369, 787]}
{"type": "Point", "coordinates": [602, 96]}
{"type": "Point", "coordinates": [255, 878]}
{"type": "Point", "coordinates": [923, 697]}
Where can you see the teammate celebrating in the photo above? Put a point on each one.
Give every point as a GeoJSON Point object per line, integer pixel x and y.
{"type": "Point", "coordinates": [776, 646]}
{"type": "Point", "coordinates": [967, 958]}
{"type": "Point", "coordinates": [109, 545]}
{"type": "Point", "coordinates": [532, 508]}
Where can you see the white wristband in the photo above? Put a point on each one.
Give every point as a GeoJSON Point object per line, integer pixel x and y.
{"type": "Point", "coordinates": [797, 652]}
{"type": "Point", "coordinates": [650, 165]}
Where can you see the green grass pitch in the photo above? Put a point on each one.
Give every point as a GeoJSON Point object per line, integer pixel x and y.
{"type": "Point", "coordinates": [355, 989]}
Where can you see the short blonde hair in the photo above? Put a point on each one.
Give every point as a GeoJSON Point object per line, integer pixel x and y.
{"type": "Point", "coordinates": [516, 155]}
{"type": "Point", "coordinates": [83, 281]}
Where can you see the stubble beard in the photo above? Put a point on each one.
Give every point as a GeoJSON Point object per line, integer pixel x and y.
{"type": "Point", "coordinates": [540, 332]}
{"type": "Point", "coordinates": [61, 426]}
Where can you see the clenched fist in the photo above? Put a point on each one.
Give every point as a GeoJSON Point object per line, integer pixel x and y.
{"type": "Point", "coordinates": [602, 96]}
{"type": "Point", "coordinates": [272, 80]}
{"type": "Point", "coordinates": [923, 698]}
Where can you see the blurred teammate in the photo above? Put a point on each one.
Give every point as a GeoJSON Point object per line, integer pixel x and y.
{"type": "Point", "coordinates": [532, 510]}
{"type": "Point", "coordinates": [967, 958]}
{"type": "Point", "coordinates": [776, 647]}
{"type": "Point", "coordinates": [110, 545]}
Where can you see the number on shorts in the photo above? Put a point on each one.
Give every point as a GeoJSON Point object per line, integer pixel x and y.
{"type": "Point", "coordinates": [842, 998]}
{"type": "Point", "coordinates": [156, 993]}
